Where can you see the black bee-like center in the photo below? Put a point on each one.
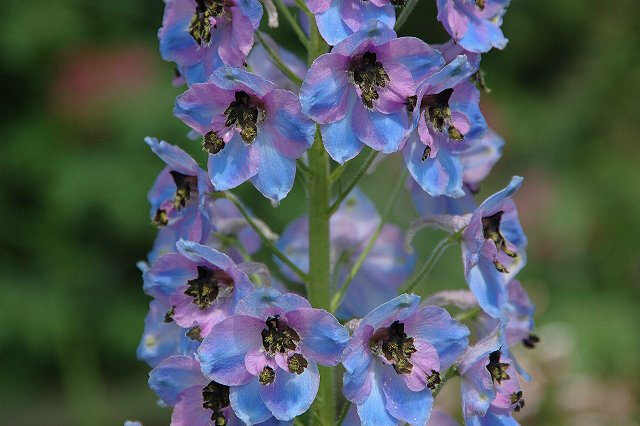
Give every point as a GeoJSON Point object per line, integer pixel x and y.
{"type": "Point", "coordinates": [394, 344]}
{"type": "Point", "coordinates": [244, 113]}
{"type": "Point", "coordinates": [278, 337]}
{"type": "Point", "coordinates": [200, 27]}
{"type": "Point", "coordinates": [368, 74]}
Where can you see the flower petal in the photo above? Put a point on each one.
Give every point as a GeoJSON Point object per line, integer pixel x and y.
{"type": "Point", "coordinates": [401, 402]}
{"type": "Point", "coordinates": [174, 375]}
{"type": "Point", "coordinates": [326, 89]}
{"type": "Point", "coordinates": [247, 403]}
{"type": "Point", "coordinates": [234, 165]}
{"type": "Point", "coordinates": [338, 137]}
{"type": "Point", "coordinates": [276, 172]}
{"type": "Point", "coordinates": [291, 394]}
{"type": "Point", "coordinates": [323, 339]}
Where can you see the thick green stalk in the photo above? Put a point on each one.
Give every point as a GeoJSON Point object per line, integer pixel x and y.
{"type": "Point", "coordinates": [319, 250]}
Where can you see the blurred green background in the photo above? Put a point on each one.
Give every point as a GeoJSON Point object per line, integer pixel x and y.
{"type": "Point", "coordinates": [82, 83]}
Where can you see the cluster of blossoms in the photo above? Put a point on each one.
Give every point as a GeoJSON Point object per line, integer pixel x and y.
{"type": "Point", "coordinates": [230, 344]}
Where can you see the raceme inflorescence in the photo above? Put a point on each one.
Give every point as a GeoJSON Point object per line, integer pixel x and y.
{"type": "Point", "coordinates": [328, 329]}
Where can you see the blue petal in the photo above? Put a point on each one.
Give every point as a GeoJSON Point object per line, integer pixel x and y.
{"type": "Point", "coordinates": [488, 285]}
{"type": "Point", "coordinates": [401, 402]}
{"type": "Point", "coordinates": [375, 32]}
{"type": "Point", "coordinates": [382, 132]}
{"type": "Point", "coordinates": [491, 419]}
{"type": "Point", "coordinates": [402, 306]}
{"type": "Point", "coordinates": [252, 9]}
{"type": "Point", "coordinates": [491, 202]}
{"type": "Point", "coordinates": [323, 338]}
{"type": "Point", "coordinates": [222, 352]}
{"type": "Point", "coordinates": [291, 394]}
{"type": "Point", "coordinates": [372, 411]}
{"type": "Point", "coordinates": [276, 172]}
{"type": "Point", "coordinates": [264, 298]}
{"type": "Point", "coordinates": [437, 176]}
{"type": "Point", "coordinates": [174, 375]}
{"type": "Point", "coordinates": [235, 164]}
{"type": "Point", "coordinates": [339, 139]}
{"type": "Point", "coordinates": [331, 26]}
{"type": "Point", "coordinates": [247, 403]}
{"type": "Point", "coordinates": [230, 78]}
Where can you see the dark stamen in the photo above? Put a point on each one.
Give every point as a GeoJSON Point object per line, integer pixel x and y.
{"type": "Point", "coordinates": [205, 288]}
{"type": "Point", "coordinates": [395, 346]}
{"type": "Point", "coordinates": [433, 379]}
{"type": "Point", "coordinates": [212, 143]}
{"type": "Point", "coordinates": [411, 103]}
{"type": "Point", "coordinates": [368, 74]}
{"type": "Point", "coordinates": [530, 341]}
{"type": "Point", "coordinates": [297, 363]}
{"type": "Point", "coordinates": [185, 186]}
{"type": "Point", "coordinates": [216, 398]}
{"type": "Point", "coordinates": [516, 398]}
{"type": "Point", "coordinates": [200, 26]}
{"type": "Point", "coordinates": [497, 369]}
{"type": "Point", "coordinates": [426, 153]}
{"type": "Point", "coordinates": [278, 337]}
{"type": "Point", "coordinates": [168, 317]}
{"type": "Point", "coordinates": [491, 231]}
{"type": "Point", "coordinates": [267, 376]}
{"type": "Point", "coordinates": [195, 333]}
{"type": "Point", "coordinates": [244, 114]}
{"type": "Point", "coordinates": [438, 113]}
{"type": "Point", "coordinates": [480, 4]}
{"type": "Point", "coordinates": [160, 219]}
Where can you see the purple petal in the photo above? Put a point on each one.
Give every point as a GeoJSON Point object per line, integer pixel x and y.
{"type": "Point", "coordinates": [203, 103]}
{"type": "Point", "coordinates": [291, 394]}
{"type": "Point", "coordinates": [236, 42]}
{"type": "Point", "coordinates": [326, 89]}
{"type": "Point", "coordinates": [189, 410]}
{"type": "Point", "coordinates": [174, 375]}
{"type": "Point", "coordinates": [167, 273]}
{"type": "Point", "coordinates": [291, 132]}
{"type": "Point", "coordinates": [359, 368]}
{"type": "Point", "coordinates": [222, 352]}
{"type": "Point", "coordinates": [323, 339]}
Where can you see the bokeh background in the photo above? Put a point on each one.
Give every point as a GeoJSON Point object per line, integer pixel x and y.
{"type": "Point", "coordinates": [81, 84]}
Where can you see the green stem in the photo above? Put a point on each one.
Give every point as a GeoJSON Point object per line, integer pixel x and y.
{"type": "Point", "coordinates": [301, 4]}
{"type": "Point", "coordinates": [319, 246]}
{"type": "Point", "coordinates": [361, 172]}
{"type": "Point", "coordinates": [339, 296]}
{"type": "Point", "coordinates": [404, 14]}
{"type": "Point", "coordinates": [469, 315]}
{"type": "Point", "coordinates": [284, 10]}
{"type": "Point", "coordinates": [438, 250]}
{"type": "Point", "coordinates": [265, 240]}
{"type": "Point", "coordinates": [277, 61]}
{"type": "Point", "coordinates": [343, 412]}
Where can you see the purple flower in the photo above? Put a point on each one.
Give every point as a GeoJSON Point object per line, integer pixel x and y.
{"type": "Point", "coordinates": [449, 122]}
{"type": "Point", "coordinates": [384, 270]}
{"type": "Point", "coordinates": [477, 162]}
{"type": "Point", "coordinates": [201, 285]}
{"type": "Point", "coordinates": [474, 24]}
{"type": "Point", "coordinates": [196, 400]}
{"type": "Point", "coordinates": [177, 199]}
{"type": "Point", "coordinates": [262, 65]}
{"type": "Point", "coordinates": [338, 19]}
{"type": "Point", "coordinates": [268, 353]}
{"type": "Point", "coordinates": [395, 357]}
{"type": "Point", "coordinates": [364, 91]}
{"type": "Point", "coordinates": [162, 337]}
{"type": "Point", "coordinates": [201, 35]}
{"type": "Point", "coordinates": [493, 249]}
{"type": "Point", "coordinates": [490, 387]}
{"type": "Point", "coordinates": [252, 130]}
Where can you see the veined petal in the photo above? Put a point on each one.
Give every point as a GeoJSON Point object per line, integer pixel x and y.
{"type": "Point", "coordinates": [401, 402]}
{"type": "Point", "coordinates": [291, 132]}
{"type": "Point", "coordinates": [382, 132]}
{"type": "Point", "coordinates": [291, 394]}
{"type": "Point", "coordinates": [326, 90]}
{"type": "Point", "coordinates": [173, 375]}
{"type": "Point", "coordinates": [338, 137]}
{"type": "Point", "coordinates": [276, 172]}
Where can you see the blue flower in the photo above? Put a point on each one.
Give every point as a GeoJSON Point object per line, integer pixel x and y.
{"type": "Point", "coordinates": [474, 25]}
{"type": "Point", "coordinates": [251, 129]}
{"type": "Point", "coordinates": [268, 352]}
{"type": "Point", "coordinates": [178, 199]}
{"type": "Point", "coordinates": [202, 35]}
{"type": "Point", "coordinates": [493, 249]}
{"type": "Point", "coordinates": [394, 360]}
{"type": "Point", "coordinates": [338, 19]}
{"type": "Point", "coordinates": [364, 91]}
{"type": "Point", "coordinates": [202, 286]}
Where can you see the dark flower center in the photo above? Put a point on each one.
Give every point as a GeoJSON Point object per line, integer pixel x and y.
{"type": "Point", "coordinates": [497, 369]}
{"type": "Point", "coordinates": [215, 397]}
{"type": "Point", "coordinates": [278, 337]}
{"type": "Point", "coordinates": [297, 363]}
{"type": "Point", "coordinates": [516, 398]}
{"type": "Point", "coordinates": [244, 113]}
{"type": "Point", "coordinates": [186, 186]}
{"type": "Point", "coordinates": [433, 380]}
{"type": "Point", "coordinates": [438, 113]}
{"type": "Point", "coordinates": [212, 143]}
{"type": "Point", "coordinates": [206, 287]}
{"type": "Point", "coordinates": [195, 333]}
{"type": "Point", "coordinates": [160, 219]}
{"type": "Point", "coordinates": [168, 317]}
{"type": "Point", "coordinates": [480, 4]}
{"type": "Point", "coordinates": [200, 26]}
{"type": "Point", "coordinates": [368, 74]}
{"type": "Point", "coordinates": [399, 3]}
{"type": "Point", "coordinates": [491, 231]}
{"type": "Point", "coordinates": [267, 376]}
{"type": "Point", "coordinates": [530, 341]}
{"type": "Point", "coordinates": [395, 346]}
